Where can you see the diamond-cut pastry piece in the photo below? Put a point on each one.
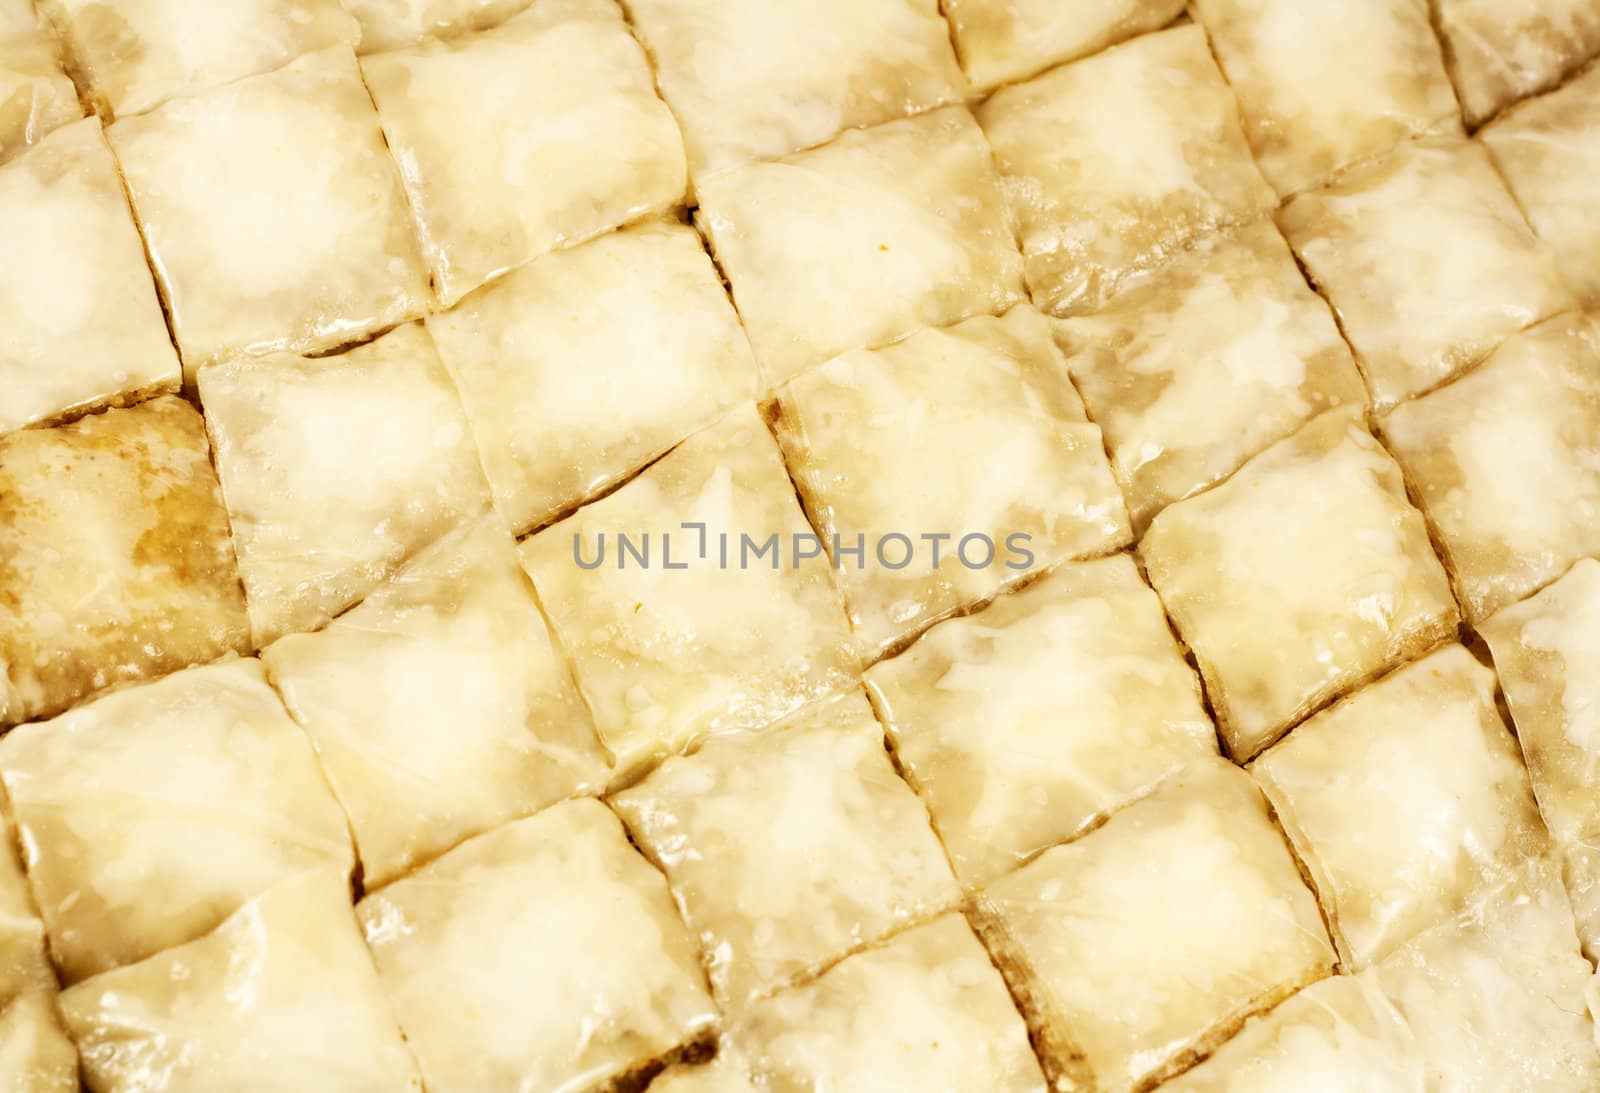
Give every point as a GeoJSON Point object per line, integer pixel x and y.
{"type": "Point", "coordinates": [136, 54]}
{"type": "Point", "coordinates": [1323, 86]}
{"type": "Point", "coordinates": [1427, 260]}
{"type": "Point", "coordinates": [35, 1054]}
{"type": "Point", "coordinates": [707, 606]}
{"type": "Point", "coordinates": [280, 996]}
{"type": "Point", "coordinates": [1206, 362]}
{"type": "Point", "coordinates": [82, 322]}
{"type": "Point", "coordinates": [151, 814]}
{"type": "Point", "coordinates": [534, 135]}
{"type": "Point", "coordinates": [1026, 723]}
{"type": "Point", "coordinates": [545, 954]}
{"type": "Point", "coordinates": [336, 469]}
{"type": "Point", "coordinates": [36, 95]}
{"type": "Point", "coordinates": [1116, 162]}
{"type": "Point", "coordinates": [1506, 463]}
{"type": "Point", "coordinates": [925, 1011]}
{"type": "Point", "coordinates": [274, 215]}
{"type": "Point", "coordinates": [790, 847]}
{"type": "Point", "coordinates": [1148, 940]}
{"type": "Point", "coordinates": [115, 563]}
{"type": "Point", "coordinates": [1305, 574]}
{"type": "Point", "coordinates": [1548, 151]}
{"type": "Point", "coordinates": [391, 24]}
{"type": "Point", "coordinates": [970, 444]}
{"type": "Point", "coordinates": [1547, 651]}
{"type": "Point", "coordinates": [1002, 41]}
{"type": "Point", "coordinates": [439, 706]}
{"type": "Point", "coordinates": [1502, 50]}
{"type": "Point", "coordinates": [758, 79]}
{"type": "Point", "coordinates": [1406, 800]}
{"type": "Point", "coordinates": [864, 240]}
{"type": "Point", "coordinates": [583, 366]}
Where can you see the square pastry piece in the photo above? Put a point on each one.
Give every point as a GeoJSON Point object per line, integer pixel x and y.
{"type": "Point", "coordinates": [758, 79]}
{"type": "Point", "coordinates": [1322, 86]}
{"type": "Point", "coordinates": [1028, 722]}
{"type": "Point", "coordinates": [36, 95]}
{"type": "Point", "coordinates": [274, 215]}
{"type": "Point", "coordinates": [1406, 801]}
{"type": "Point", "coordinates": [1547, 650]}
{"type": "Point", "coordinates": [791, 847]}
{"type": "Point", "coordinates": [1147, 941]}
{"type": "Point", "coordinates": [151, 814]}
{"type": "Point", "coordinates": [281, 995]}
{"type": "Point", "coordinates": [1002, 41]}
{"type": "Point", "coordinates": [1427, 260]}
{"type": "Point", "coordinates": [544, 955]}
{"type": "Point", "coordinates": [390, 24]}
{"type": "Point", "coordinates": [82, 322]}
{"type": "Point", "coordinates": [864, 240]}
{"type": "Point", "coordinates": [1548, 150]}
{"type": "Point", "coordinates": [439, 706]}
{"type": "Point", "coordinates": [1299, 578]}
{"type": "Point", "coordinates": [696, 599]}
{"type": "Point", "coordinates": [1197, 367]}
{"type": "Point", "coordinates": [115, 563]}
{"type": "Point", "coordinates": [1506, 463]}
{"type": "Point", "coordinates": [136, 54]}
{"type": "Point", "coordinates": [535, 135]}
{"type": "Point", "coordinates": [1502, 50]}
{"type": "Point", "coordinates": [586, 364]}
{"type": "Point", "coordinates": [927, 1011]}
{"type": "Point", "coordinates": [956, 461]}
{"type": "Point", "coordinates": [1116, 162]}
{"type": "Point", "coordinates": [336, 469]}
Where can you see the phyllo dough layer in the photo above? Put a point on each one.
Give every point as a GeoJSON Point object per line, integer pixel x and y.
{"type": "Point", "coordinates": [391, 24]}
{"type": "Point", "coordinates": [115, 563]}
{"type": "Point", "coordinates": [973, 432]}
{"type": "Point", "coordinates": [336, 469]}
{"type": "Point", "coordinates": [545, 954]}
{"type": "Point", "coordinates": [1302, 576]}
{"type": "Point", "coordinates": [863, 241]}
{"type": "Point", "coordinates": [439, 705]}
{"type": "Point", "coordinates": [1502, 50]}
{"type": "Point", "coordinates": [1028, 722]}
{"type": "Point", "coordinates": [36, 95]}
{"type": "Point", "coordinates": [585, 365]}
{"type": "Point", "coordinates": [35, 1054]}
{"type": "Point", "coordinates": [1003, 41]}
{"type": "Point", "coordinates": [151, 814]}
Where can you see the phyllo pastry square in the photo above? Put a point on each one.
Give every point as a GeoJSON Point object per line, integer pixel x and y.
{"type": "Point", "coordinates": [545, 954]}
{"type": "Point", "coordinates": [1305, 574]}
{"type": "Point", "coordinates": [758, 79]}
{"type": "Point", "coordinates": [1406, 800]}
{"type": "Point", "coordinates": [1506, 463]}
{"type": "Point", "coordinates": [1548, 151]}
{"type": "Point", "coordinates": [586, 364]}
{"type": "Point", "coordinates": [696, 599]}
{"type": "Point", "coordinates": [790, 847]}
{"type": "Point", "coordinates": [273, 213]}
{"type": "Point", "coordinates": [439, 706]}
{"type": "Point", "coordinates": [1547, 651]}
{"type": "Point", "coordinates": [391, 24]}
{"type": "Point", "coordinates": [136, 54]}
{"type": "Point", "coordinates": [36, 94]}
{"type": "Point", "coordinates": [1200, 365]}
{"type": "Point", "coordinates": [958, 461]}
{"type": "Point", "coordinates": [1324, 86]}
{"type": "Point", "coordinates": [336, 469]}
{"type": "Point", "coordinates": [1027, 723]}
{"type": "Point", "coordinates": [535, 135]}
{"type": "Point", "coordinates": [925, 1011]}
{"type": "Point", "coordinates": [1003, 41]}
{"type": "Point", "coordinates": [1502, 50]}
{"type": "Point", "coordinates": [82, 322]}
{"type": "Point", "coordinates": [151, 814]}
{"type": "Point", "coordinates": [1116, 162]}
{"type": "Point", "coordinates": [281, 995]}
{"type": "Point", "coordinates": [863, 241]}
{"type": "Point", "coordinates": [1427, 261]}
{"type": "Point", "coordinates": [115, 563]}
{"type": "Point", "coordinates": [1146, 942]}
